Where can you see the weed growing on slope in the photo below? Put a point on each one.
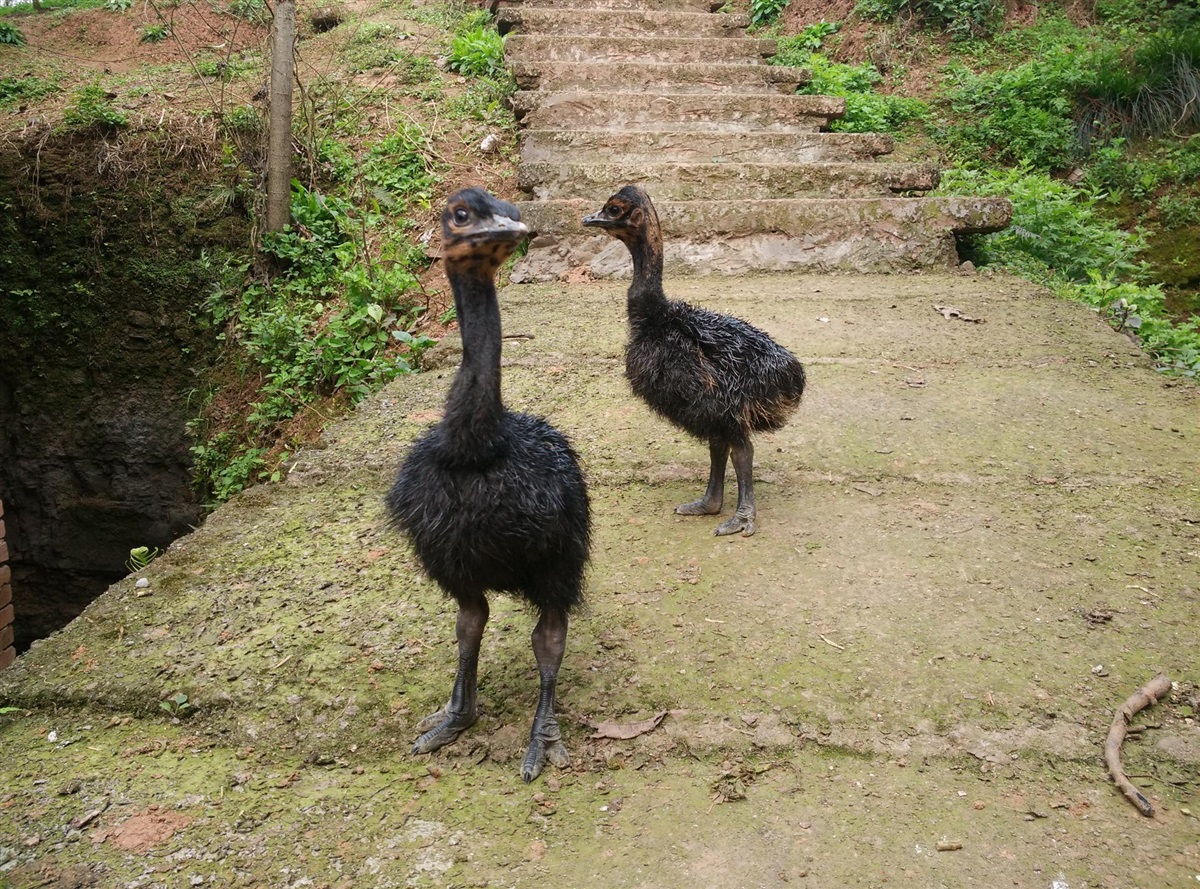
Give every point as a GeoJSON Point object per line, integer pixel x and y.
{"type": "Point", "coordinates": [959, 18]}
{"type": "Point", "coordinates": [91, 107]}
{"type": "Point", "coordinates": [866, 111]}
{"type": "Point", "coordinates": [16, 91]}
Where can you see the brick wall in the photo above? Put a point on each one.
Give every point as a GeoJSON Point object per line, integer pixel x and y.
{"type": "Point", "coordinates": [7, 653]}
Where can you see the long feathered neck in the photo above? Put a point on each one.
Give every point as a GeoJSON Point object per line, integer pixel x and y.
{"type": "Point", "coordinates": [646, 297]}
{"type": "Point", "coordinates": [473, 407]}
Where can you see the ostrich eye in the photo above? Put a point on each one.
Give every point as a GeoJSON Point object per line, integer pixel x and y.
{"type": "Point", "coordinates": [461, 215]}
{"type": "Point", "coordinates": [614, 211]}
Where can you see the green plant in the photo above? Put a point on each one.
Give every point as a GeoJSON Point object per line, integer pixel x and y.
{"type": "Point", "coordinates": [400, 166]}
{"type": "Point", "coordinates": [866, 111]}
{"type": "Point", "coordinates": [1056, 227]}
{"type": "Point", "coordinates": [959, 18]}
{"type": "Point", "coordinates": [253, 11]}
{"type": "Point", "coordinates": [21, 90]}
{"type": "Point", "coordinates": [117, 5]}
{"type": "Point", "coordinates": [478, 52]}
{"type": "Point", "coordinates": [177, 705]}
{"type": "Point", "coordinates": [155, 33]}
{"type": "Point", "coordinates": [92, 107]}
{"type": "Point", "coordinates": [141, 556]}
{"type": "Point", "coordinates": [10, 34]}
{"type": "Point", "coordinates": [765, 12]}
{"type": "Point", "coordinates": [485, 100]}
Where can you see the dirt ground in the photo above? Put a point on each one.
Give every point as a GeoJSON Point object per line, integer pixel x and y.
{"type": "Point", "coordinates": [976, 539]}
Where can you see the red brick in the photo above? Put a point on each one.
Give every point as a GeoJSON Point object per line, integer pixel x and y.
{"type": "Point", "coordinates": [3, 550]}
{"type": "Point", "coordinates": [5, 594]}
{"type": "Point", "coordinates": [6, 615]}
{"type": "Point", "coordinates": [7, 656]}
{"type": "Point", "coordinates": [1, 529]}
{"type": "Point", "coordinates": [1, 507]}
{"type": "Point", "coordinates": [5, 574]}
{"type": "Point", "coordinates": [6, 636]}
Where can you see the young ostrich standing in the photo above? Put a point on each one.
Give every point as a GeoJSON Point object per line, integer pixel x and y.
{"type": "Point", "coordinates": [715, 377]}
{"type": "Point", "coordinates": [493, 500]}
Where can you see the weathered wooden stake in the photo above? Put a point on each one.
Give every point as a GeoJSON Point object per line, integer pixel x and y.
{"type": "Point", "coordinates": [279, 145]}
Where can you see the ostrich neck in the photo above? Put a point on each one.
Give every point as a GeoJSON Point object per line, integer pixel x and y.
{"type": "Point", "coordinates": [474, 408]}
{"type": "Point", "coordinates": [646, 297]}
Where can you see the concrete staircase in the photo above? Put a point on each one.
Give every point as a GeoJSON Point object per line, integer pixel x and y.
{"type": "Point", "coordinates": [673, 96]}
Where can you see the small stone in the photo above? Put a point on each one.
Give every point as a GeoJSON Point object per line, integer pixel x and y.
{"type": "Point", "coordinates": [490, 144]}
{"type": "Point", "coordinates": [142, 583]}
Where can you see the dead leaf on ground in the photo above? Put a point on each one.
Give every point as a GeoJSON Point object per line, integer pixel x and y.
{"type": "Point", "coordinates": [949, 312]}
{"type": "Point", "coordinates": [623, 731]}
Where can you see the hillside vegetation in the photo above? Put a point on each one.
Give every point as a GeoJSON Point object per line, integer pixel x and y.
{"type": "Point", "coordinates": [394, 102]}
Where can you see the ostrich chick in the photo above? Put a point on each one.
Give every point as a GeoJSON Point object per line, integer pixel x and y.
{"type": "Point", "coordinates": [491, 499]}
{"type": "Point", "coordinates": [716, 377]}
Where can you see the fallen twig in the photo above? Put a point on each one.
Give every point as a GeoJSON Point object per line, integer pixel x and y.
{"type": "Point", "coordinates": [831, 642]}
{"type": "Point", "coordinates": [1144, 697]}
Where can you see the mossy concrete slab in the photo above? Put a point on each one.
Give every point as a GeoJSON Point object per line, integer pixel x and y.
{"type": "Point", "coordinates": [975, 541]}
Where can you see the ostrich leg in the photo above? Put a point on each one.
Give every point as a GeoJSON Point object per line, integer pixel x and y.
{"type": "Point", "coordinates": [545, 738]}
{"type": "Point", "coordinates": [714, 495]}
{"type": "Point", "coordinates": [459, 714]}
{"type": "Point", "coordinates": [743, 519]}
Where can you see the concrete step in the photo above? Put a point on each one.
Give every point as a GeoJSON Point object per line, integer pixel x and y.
{"type": "Point", "coordinates": [725, 112]}
{"type": "Point", "coordinates": [726, 181]}
{"type": "Point", "coordinates": [620, 23]}
{"type": "Point", "coordinates": [693, 77]}
{"type": "Point", "coordinates": [607, 146]}
{"type": "Point", "coordinates": [659, 5]}
{"type": "Point", "coordinates": [735, 237]}
{"type": "Point", "coordinates": [711, 50]}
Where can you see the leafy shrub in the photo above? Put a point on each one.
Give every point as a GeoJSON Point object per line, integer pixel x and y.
{"type": "Point", "coordinates": [866, 112]}
{"type": "Point", "coordinates": [765, 12]}
{"type": "Point", "coordinates": [1021, 116]}
{"type": "Point", "coordinates": [91, 107]}
{"type": "Point", "coordinates": [959, 18]}
{"type": "Point", "coordinates": [11, 34]}
{"type": "Point", "coordinates": [117, 5]}
{"type": "Point", "coordinates": [478, 52]}
{"type": "Point", "coordinates": [1056, 227]}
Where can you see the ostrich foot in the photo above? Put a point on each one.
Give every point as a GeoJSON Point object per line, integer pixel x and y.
{"type": "Point", "coordinates": [441, 728]}
{"type": "Point", "coordinates": [740, 522]}
{"type": "Point", "coordinates": [545, 745]}
{"type": "Point", "coordinates": [704, 506]}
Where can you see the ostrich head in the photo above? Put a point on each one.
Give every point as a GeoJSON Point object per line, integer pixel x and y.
{"type": "Point", "coordinates": [629, 216]}
{"type": "Point", "coordinates": [479, 231]}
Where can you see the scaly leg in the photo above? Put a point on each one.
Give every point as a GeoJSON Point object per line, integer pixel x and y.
{"type": "Point", "coordinates": [443, 727]}
{"type": "Point", "coordinates": [743, 519]}
{"type": "Point", "coordinates": [545, 739]}
{"type": "Point", "coordinates": [714, 495]}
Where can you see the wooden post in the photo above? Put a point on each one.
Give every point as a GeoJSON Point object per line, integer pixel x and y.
{"type": "Point", "coordinates": [279, 146]}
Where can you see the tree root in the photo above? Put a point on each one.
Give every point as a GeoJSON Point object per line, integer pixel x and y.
{"type": "Point", "coordinates": [1144, 697]}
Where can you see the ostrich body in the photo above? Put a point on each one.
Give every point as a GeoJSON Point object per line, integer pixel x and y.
{"type": "Point", "coordinates": [491, 499]}
{"type": "Point", "coordinates": [716, 377]}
